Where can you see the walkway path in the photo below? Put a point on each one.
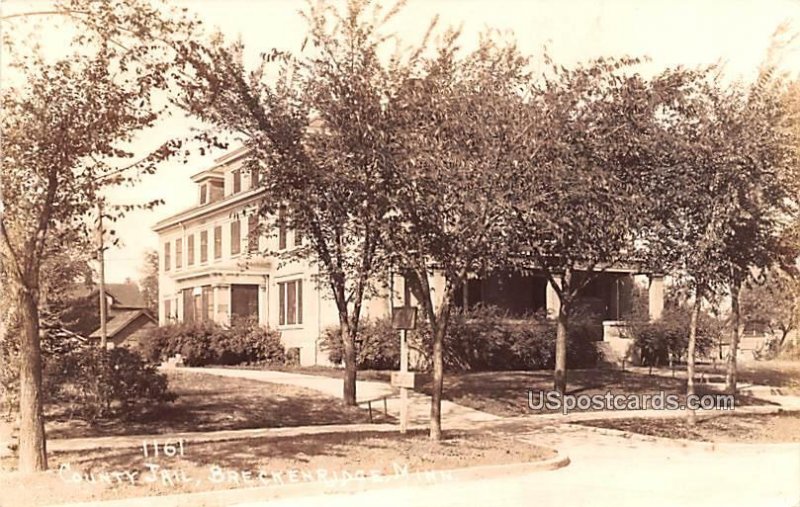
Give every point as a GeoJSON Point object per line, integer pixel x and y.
{"type": "Point", "coordinates": [454, 416]}
{"type": "Point", "coordinates": [366, 390]}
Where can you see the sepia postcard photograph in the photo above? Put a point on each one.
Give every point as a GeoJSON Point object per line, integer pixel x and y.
{"type": "Point", "coordinates": [428, 253]}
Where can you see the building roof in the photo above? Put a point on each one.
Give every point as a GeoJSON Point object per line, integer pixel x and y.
{"type": "Point", "coordinates": [121, 321]}
{"type": "Point", "coordinates": [125, 295]}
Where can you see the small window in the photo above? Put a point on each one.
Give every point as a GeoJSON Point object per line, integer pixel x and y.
{"type": "Point", "coordinates": [255, 177]}
{"type": "Point", "coordinates": [203, 194]}
{"type": "Point", "coordinates": [237, 181]}
{"type": "Point", "coordinates": [298, 233]}
{"type": "Point", "coordinates": [218, 242]}
{"type": "Point", "coordinates": [252, 233]}
{"type": "Point", "coordinates": [190, 250]}
{"type": "Point", "coordinates": [178, 253]}
{"type": "Point", "coordinates": [290, 300]}
{"type": "Point", "coordinates": [167, 310]}
{"type": "Point", "coordinates": [282, 228]}
{"type": "Point", "coordinates": [166, 257]}
{"type": "Point", "coordinates": [203, 246]}
{"type": "Point", "coordinates": [236, 237]}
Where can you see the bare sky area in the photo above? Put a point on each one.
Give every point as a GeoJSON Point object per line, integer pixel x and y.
{"type": "Point", "coordinates": [736, 33]}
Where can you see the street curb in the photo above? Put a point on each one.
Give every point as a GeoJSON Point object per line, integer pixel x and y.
{"type": "Point", "coordinates": [228, 497]}
{"type": "Point", "coordinates": [687, 443]}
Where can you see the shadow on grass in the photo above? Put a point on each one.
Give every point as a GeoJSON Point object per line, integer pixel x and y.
{"type": "Point", "coordinates": [214, 403]}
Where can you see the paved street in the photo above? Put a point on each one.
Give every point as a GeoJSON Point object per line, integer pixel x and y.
{"type": "Point", "coordinates": [612, 471]}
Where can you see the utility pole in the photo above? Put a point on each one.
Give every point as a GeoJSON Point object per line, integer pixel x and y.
{"type": "Point", "coordinates": [102, 284]}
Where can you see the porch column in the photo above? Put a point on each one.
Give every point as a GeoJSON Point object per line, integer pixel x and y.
{"type": "Point", "coordinates": [655, 296]}
{"type": "Point", "coordinates": [262, 304]}
{"type": "Point", "coordinates": [552, 303]}
{"type": "Point", "coordinates": [179, 306]}
{"type": "Point", "coordinates": [214, 303]}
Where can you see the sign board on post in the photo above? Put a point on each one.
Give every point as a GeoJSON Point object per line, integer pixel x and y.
{"type": "Point", "coordinates": [404, 318]}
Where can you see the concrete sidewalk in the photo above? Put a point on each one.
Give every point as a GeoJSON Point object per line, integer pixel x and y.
{"type": "Point", "coordinates": [366, 390]}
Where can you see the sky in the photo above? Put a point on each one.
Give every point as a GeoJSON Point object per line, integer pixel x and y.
{"type": "Point", "coordinates": [735, 33]}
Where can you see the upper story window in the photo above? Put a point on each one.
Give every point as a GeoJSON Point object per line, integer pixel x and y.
{"type": "Point", "coordinates": [282, 228]}
{"type": "Point", "coordinates": [252, 233]}
{"type": "Point", "coordinates": [218, 242]}
{"type": "Point", "coordinates": [166, 257]}
{"type": "Point", "coordinates": [190, 250]}
{"type": "Point", "coordinates": [203, 193]}
{"type": "Point", "coordinates": [203, 246]}
{"type": "Point", "coordinates": [236, 237]}
{"type": "Point", "coordinates": [237, 181]}
{"type": "Point", "coordinates": [255, 177]}
{"type": "Point", "coordinates": [178, 253]}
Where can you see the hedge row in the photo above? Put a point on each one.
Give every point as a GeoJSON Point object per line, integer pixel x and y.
{"type": "Point", "coordinates": [205, 343]}
{"type": "Point", "coordinates": [479, 340]}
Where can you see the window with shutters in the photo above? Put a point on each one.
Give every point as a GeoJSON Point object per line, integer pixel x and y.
{"type": "Point", "coordinates": [282, 228]}
{"type": "Point", "coordinates": [178, 253]}
{"type": "Point", "coordinates": [236, 237]}
{"type": "Point", "coordinates": [218, 242]}
{"type": "Point", "coordinates": [203, 246]}
{"type": "Point", "coordinates": [252, 233]}
{"type": "Point", "coordinates": [190, 250]}
{"type": "Point", "coordinates": [237, 181]}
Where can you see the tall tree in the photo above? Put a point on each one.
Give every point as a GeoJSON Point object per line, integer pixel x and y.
{"type": "Point", "coordinates": [461, 123]}
{"type": "Point", "coordinates": [67, 124]}
{"type": "Point", "coordinates": [599, 141]}
{"type": "Point", "coordinates": [317, 134]}
{"type": "Point", "coordinates": [758, 148]}
{"type": "Point", "coordinates": [148, 284]}
{"type": "Point", "coordinates": [775, 302]}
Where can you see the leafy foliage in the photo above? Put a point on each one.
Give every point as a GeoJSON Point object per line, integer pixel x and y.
{"type": "Point", "coordinates": [667, 339]}
{"type": "Point", "coordinates": [205, 343]}
{"type": "Point", "coordinates": [482, 339]}
{"type": "Point", "coordinates": [98, 384]}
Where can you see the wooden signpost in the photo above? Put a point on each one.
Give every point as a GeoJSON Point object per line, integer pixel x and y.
{"type": "Point", "coordinates": [404, 318]}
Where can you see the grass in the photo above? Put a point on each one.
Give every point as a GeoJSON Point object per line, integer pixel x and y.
{"type": "Point", "coordinates": [211, 403]}
{"type": "Point", "coordinates": [506, 393]}
{"type": "Point", "coordinates": [280, 460]}
{"type": "Point", "coordinates": [781, 427]}
{"type": "Point", "coordinates": [784, 374]}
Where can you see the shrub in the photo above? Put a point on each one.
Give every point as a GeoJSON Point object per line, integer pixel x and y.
{"type": "Point", "coordinates": [668, 337]}
{"type": "Point", "coordinates": [98, 383]}
{"type": "Point", "coordinates": [205, 343]}
{"type": "Point", "coordinates": [377, 345]}
{"type": "Point", "coordinates": [485, 339]}
{"type": "Point", "coordinates": [482, 339]}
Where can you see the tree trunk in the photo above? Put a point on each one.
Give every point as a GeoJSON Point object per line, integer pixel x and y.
{"type": "Point", "coordinates": [350, 366]}
{"type": "Point", "coordinates": [730, 377]}
{"type": "Point", "coordinates": [32, 451]}
{"type": "Point", "coordinates": [690, 352]}
{"type": "Point", "coordinates": [562, 326]}
{"type": "Point", "coordinates": [438, 383]}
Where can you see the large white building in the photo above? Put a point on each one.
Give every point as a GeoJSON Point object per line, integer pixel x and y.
{"type": "Point", "coordinates": [213, 268]}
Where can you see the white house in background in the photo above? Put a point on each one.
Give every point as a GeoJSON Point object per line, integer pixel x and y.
{"type": "Point", "coordinates": [211, 269]}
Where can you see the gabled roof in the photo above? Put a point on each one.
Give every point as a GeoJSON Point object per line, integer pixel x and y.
{"type": "Point", "coordinates": [121, 321]}
{"type": "Point", "coordinates": [126, 295]}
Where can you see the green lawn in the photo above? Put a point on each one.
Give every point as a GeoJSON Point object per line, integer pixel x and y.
{"type": "Point", "coordinates": [210, 403]}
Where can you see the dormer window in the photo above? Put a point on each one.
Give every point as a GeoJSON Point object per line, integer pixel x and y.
{"type": "Point", "coordinates": [237, 181]}
{"type": "Point", "coordinates": [203, 194]}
